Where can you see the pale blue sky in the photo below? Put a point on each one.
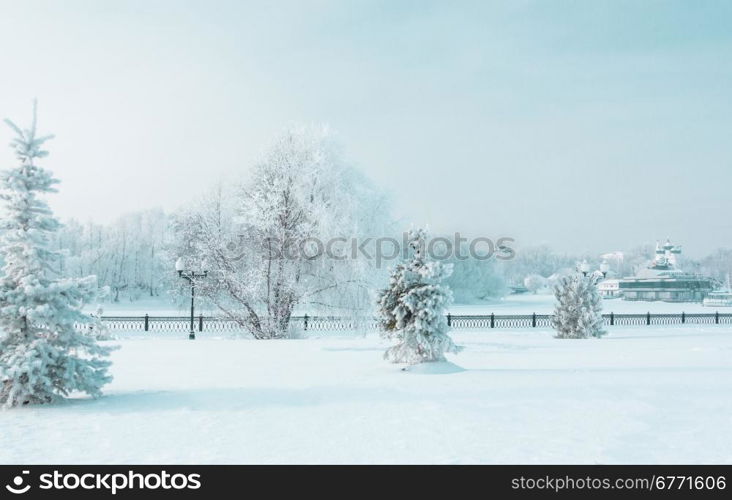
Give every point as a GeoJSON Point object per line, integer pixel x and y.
{"type": "Point", "coordinates": [589, 126]}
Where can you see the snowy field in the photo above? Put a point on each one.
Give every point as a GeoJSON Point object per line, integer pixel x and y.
{"type": "Point", "coordinates": [511, 304]}
{"type": "Point", "coordinates": [640, 395]}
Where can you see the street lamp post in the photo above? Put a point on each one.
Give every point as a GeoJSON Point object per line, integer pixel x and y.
{"type": "Point", "coordinates": [191, 276]}
{"type": "Point", "coordinates": [604, 268]}
{"type": "Point", "coordinates": [584, 268]}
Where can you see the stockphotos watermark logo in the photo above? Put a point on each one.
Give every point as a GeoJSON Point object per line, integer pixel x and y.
{"type": "Point", "coordinates": [109, 483]}
{"type": "Point", "coordinates": [19, 484]}
{"type": "Point", "coordinates": [380, 250]}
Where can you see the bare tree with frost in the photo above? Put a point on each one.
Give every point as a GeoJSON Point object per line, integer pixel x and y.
{"type": "Point", "coordinates": [266, 243]}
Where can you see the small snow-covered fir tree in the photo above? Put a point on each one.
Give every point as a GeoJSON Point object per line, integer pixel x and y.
{"type": "Point", "coordinates": [42, 356]}
{"type": "Point", "coordinates": [578, 312]}
{"type": "Point", "coordinates": [96, 327]}
{"type": "Point", "coordinates": [412, 309]}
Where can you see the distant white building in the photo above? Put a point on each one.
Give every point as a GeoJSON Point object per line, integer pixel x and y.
{"type": "Point", "coordinates": [719, 298]}
{"type": "Point", "coordinates": [609, 288]}
{"type": "Point", "coordinates": [664, 280]}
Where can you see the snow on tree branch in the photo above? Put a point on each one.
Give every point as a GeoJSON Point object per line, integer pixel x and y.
{"type": "Point", "coordinates": [412, 309]}
{"type": "Point", "coordinates": [42, 355]}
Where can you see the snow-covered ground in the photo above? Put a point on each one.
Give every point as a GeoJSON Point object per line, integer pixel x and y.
{"type": "Point", "coordinates": [511, 304]}
{"type": "Point", "coordinates": [640, 395]}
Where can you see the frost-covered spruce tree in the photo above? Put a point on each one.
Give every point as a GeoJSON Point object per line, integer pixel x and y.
{"type": "Point", "coordinates": [412, 309]}
{"type": "Point", "coordinates": [578, 312]}
{"type": "Point", "coordinates": [42, 356]}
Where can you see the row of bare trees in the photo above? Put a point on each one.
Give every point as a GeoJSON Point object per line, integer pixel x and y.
{"type": "Point", "coordinates": [128, 257]}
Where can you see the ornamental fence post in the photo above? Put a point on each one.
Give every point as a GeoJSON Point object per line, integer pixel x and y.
{"type": "Point", "coordinates": [612, 319]}
{"type": "Point", "coordinates": [306, 322]}
{"type": "Point", "coordinates": [200, 322]}
{"type": "Point", "coordinates": [533, 320]}
{"type": "Point", "coordinates": [716, 317]}
{"type": "Point", "coordinates": [493, 320]}
{"type": "Point", "coordinates": [683, 317]}
{"type": "Point", "coordinates": [449, 319]}
{"type": "Point", "coordinates": [648, 318]}
{"type": "Point", "coordinates": [147, 323]}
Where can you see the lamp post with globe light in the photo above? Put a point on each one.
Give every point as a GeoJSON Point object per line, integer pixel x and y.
{"type": "Point", "coordinates": [604, 268]}
{"type": "Point", "coordinates": [584, 268]}
{"type": "Point", "coordinates": [191, 275]}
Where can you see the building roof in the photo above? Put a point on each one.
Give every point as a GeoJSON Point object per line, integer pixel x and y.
{"type": "Point", "coordinates": [656, 272]}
